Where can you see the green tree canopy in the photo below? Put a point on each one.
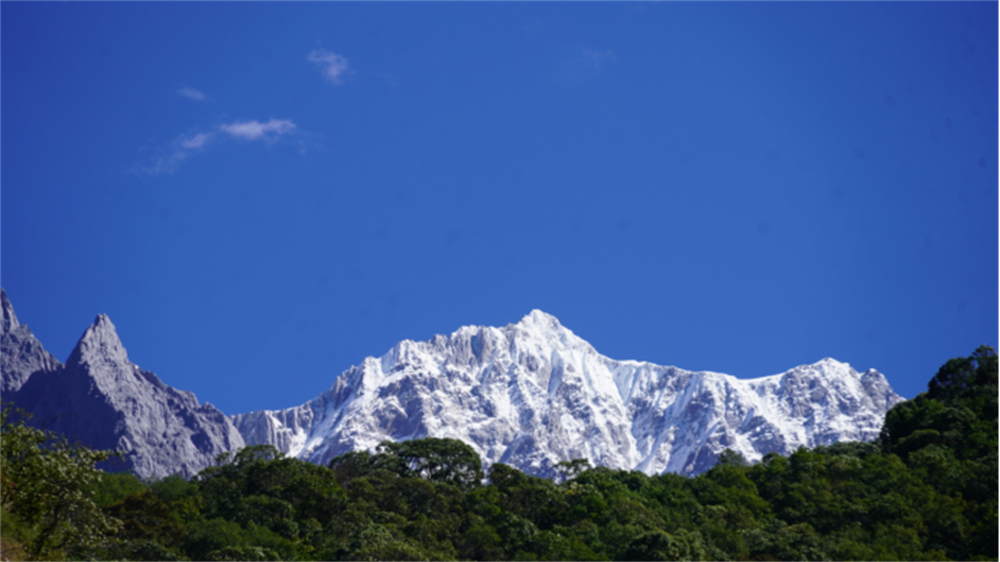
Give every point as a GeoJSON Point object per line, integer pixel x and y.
{"type": "Point", "coordinates": [439, 460]}
{"type": "Point", "coordinates": [46, 491]}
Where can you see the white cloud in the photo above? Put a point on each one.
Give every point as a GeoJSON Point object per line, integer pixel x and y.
{"type": "Point", "coordinates": [334, 66]}
{"type": "Point", "coordinates": [191, 94]}
{"type": "Point", "coordinates": [253, 130]}
{"type": "Point", "coordinates": [183, 146]}
{"type": "Point", "coordinates": [180, 150]}
{"type": "Point", "coordinates": [164, 164]}
{"type": "Point", "coordinates": [196, 141]}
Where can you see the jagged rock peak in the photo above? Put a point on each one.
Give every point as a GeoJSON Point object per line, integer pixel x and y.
{"type": "Point", "coordinates": [10, 322]}
{"type": "Point", "coordinates": [99, 344]}
{"type": "Point", "coordinates": [21, 355]}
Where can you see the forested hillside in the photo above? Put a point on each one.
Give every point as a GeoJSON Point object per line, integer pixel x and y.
{"type": "Point", "coordinates": [927, 490]}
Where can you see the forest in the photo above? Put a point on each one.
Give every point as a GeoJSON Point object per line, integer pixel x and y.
{"type": "Point", "coordinates": [926, 490]}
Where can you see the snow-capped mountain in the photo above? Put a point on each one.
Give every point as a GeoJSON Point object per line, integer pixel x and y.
{"type": "Point", "coordinates": [530, 394]}
{"type": "Point", "coordinates": [102, 400]}
{"type": "Point", "coordinates": [533, 394]}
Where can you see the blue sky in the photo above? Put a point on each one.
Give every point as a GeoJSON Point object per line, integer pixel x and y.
{"type": "Point", "coordinates": [260, 195]}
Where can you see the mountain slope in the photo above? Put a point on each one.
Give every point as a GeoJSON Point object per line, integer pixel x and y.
{"type": "Point", "coordinates": [533, 394]}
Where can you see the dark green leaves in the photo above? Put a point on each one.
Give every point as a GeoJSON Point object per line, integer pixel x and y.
{"type": "Point", "coordinates": [47, 492]}
{"type": "Point", "coordinates": [439, 460]}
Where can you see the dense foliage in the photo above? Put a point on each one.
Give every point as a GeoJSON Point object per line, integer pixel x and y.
{"type": "Point", "coordinates": [44, 494]}
{"type": "Point", "coordinates": [927, 490]}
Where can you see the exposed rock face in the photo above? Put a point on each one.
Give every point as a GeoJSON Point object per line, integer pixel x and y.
{"type": "Point", "coordinates": [21, 355]}
{"type": "Point", "coordinates": [533, 394]}
{"type": "Point", "coordinates": [102, 400]}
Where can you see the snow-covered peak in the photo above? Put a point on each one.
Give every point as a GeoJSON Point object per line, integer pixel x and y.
{"type": "Point", "coordinates": [532, 393]}
{"type": "Point", "coordinates": [544, 326]}
{"type": "Point", "coordinates": [99, 345]}
{"type": "Point", "coordinates": [537, 319]}
{"type": "Point", "coordinates": [831, 363]}
{"type": "Point", "coordinates": [10, 322]}
{"type": "Point", "coordinates": [540, 330]}
{"type": "Point", "coordinates": [828, 368]}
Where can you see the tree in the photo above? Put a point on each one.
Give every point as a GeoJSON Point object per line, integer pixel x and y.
{"type": "Point", "coordinates": [571, 469]}
{"type": "Point", "coordinates": [46, 491]}
{"type": "Point", "coordinates": [658, 545]}
{"type": "Point", "coordinates": [439, 460]}
{"type": "Point", "coordinates": [959, 375]}
{"type": "Point", "coordinates": [281, 503]}
{"type": "Point", "coordinates": [959, 410]}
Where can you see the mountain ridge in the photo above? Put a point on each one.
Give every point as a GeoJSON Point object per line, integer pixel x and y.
{"type": "Point", "coordinates": [104, 401]}
{"type": "Point", "coordinates": [508, 383]}
{"type": "Point", "coordinates": [529, 394]}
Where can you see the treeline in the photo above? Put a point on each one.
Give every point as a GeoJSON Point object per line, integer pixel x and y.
{"type": "Point", "coordinates": [927, 490]}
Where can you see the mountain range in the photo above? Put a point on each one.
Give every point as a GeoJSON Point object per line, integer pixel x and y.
{"type": "Point", "coordinates": [529, 395]}
{"type": "Point", "coordinates": [100, 399]}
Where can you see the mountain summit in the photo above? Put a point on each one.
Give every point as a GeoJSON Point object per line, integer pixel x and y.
{"type": "Point", "coordinates": [532, 394]}
{"type": "Point", "coordinates": [99, 346]}
{"type": "Point", "coordinates": [21, 354]}
{"type": "Point", "coordinates": [10, 322]}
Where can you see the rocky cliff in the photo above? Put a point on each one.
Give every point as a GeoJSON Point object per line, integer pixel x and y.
{"type": "Point", "coordinates": [102, 400]}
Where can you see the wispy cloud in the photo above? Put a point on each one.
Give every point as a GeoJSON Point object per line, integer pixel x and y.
{"type": "Point", "coordinates": [334, 66]}
{"type": "Point", "coordinates": [179, 150]}
{"type": "Point", "coordinates": [196, 141]}
{"type": "Point", "coordinates": [191, 94]}
{"type": "Point", "coordinates": [185, 146]}
{"type": "Point", "coordinates": [253, 130]}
